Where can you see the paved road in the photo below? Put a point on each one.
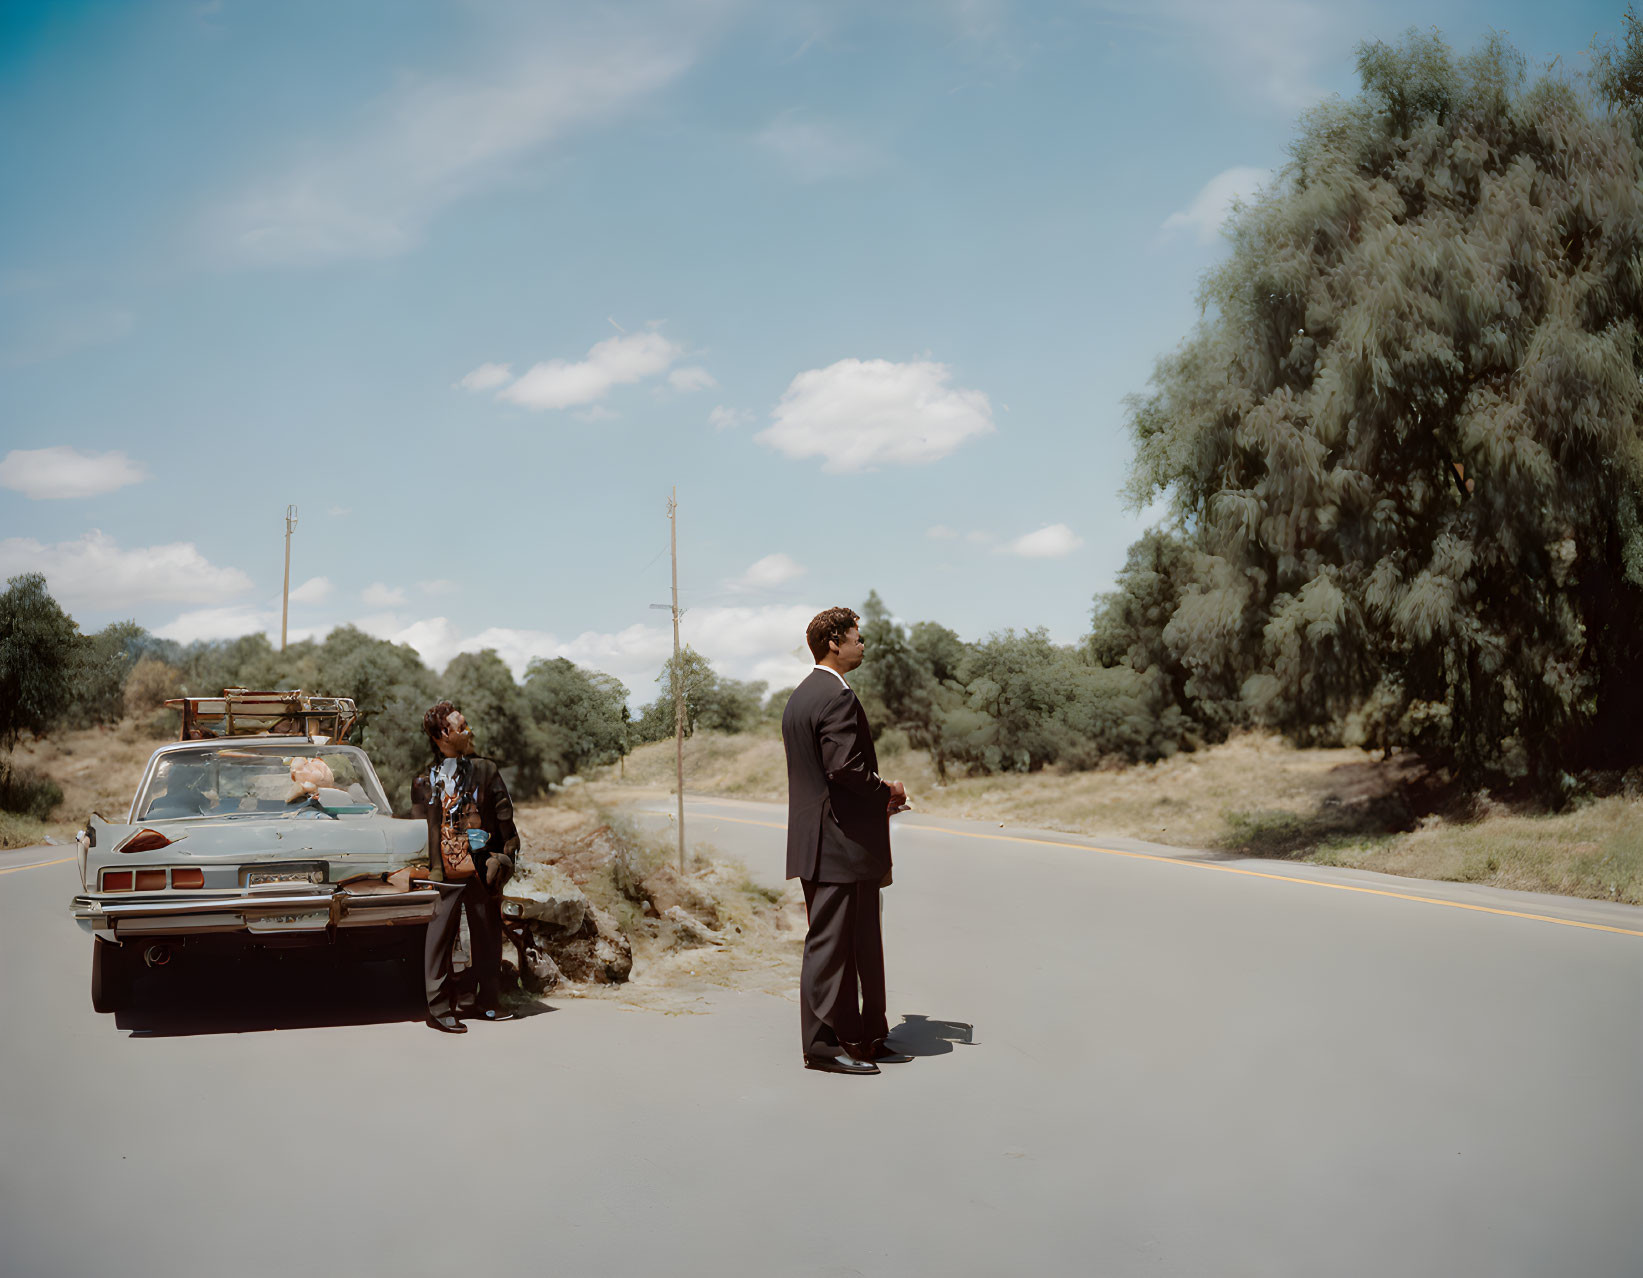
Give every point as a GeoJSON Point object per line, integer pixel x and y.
{"type": "Point", "coordinates": [1177, 1065]}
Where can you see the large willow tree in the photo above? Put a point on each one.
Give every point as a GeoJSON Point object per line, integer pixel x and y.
{"type": "Point", "coordinates": [1404, 444]}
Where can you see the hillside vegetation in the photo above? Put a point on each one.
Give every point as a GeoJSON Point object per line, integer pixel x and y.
{"type": "Point", "coordinates": [1254, 795]}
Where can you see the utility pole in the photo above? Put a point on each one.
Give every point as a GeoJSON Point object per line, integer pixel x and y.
{"type": "Point", "coordinates": [285, 595]}
{"type": "Point", "coordinates": [678, 675]}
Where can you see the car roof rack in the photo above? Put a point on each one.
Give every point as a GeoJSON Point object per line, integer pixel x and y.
{"type": "Point", "coordinates": [240, 712]}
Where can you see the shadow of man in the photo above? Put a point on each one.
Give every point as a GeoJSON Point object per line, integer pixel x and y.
{"type": "Point", "coordinates": [919, 1035]}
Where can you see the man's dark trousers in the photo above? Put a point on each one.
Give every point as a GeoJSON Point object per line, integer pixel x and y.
{"type": "Point", "coordinates": [843, 949]}
{"type": "Point", "coordinates": [838, 847]}
{"type": "Point", "coordinates": [484, 932]}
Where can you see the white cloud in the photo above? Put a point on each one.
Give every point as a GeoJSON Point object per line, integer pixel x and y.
{"type": "Point", "coordinates": [93, 572]}
{"type": "Point", "coordinates": [691, 378]}
{"type": "Point", "coordinates": [378, 595]}
{"type": "Point", "coordinates": [816, 151]}
{"type": "Point", "coordinates": [59, 472]}
{"type": "Point", "coordinates": [750, 642]}
{"type": "Point", "coordinates": [371, 188]}
{"type": "Point", "coordinates": [634, 655]}
{"type": "Point", "coordinates": [768, 573]}
{"type": "Point", "coordinates": [220, 623]}
{"type": "Point", "coordinates": [1051, 542]}
{"type": "Point", "coordinates": [754, 642]}
{"type": "Point", "coordinates": [1210, 208]}
{"type": "Point", "coordinates": [722, 418]}
{"type": "Point", "coordinates": [860, 414]}
{"type": "Point", "coordinates": [941, 532]}
{"type": "Point", "coordinates": [486, 377]}
{"type": "Point", "coordinates": [314, 590]}
{"type": "Point", "coordinates": [613, 362]}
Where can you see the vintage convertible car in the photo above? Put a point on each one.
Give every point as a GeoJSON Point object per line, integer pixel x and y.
{"type": "Point", "coordinates": [260, 829]}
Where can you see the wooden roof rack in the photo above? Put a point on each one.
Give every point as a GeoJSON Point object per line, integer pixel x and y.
{"type": "Point", "coordinates": [240, 712]}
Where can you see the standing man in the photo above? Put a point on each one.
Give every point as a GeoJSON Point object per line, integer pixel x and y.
{"type": "Point", "coordinates": [472, 846]}
{"type": "Point", "coordinates": [838, 847]}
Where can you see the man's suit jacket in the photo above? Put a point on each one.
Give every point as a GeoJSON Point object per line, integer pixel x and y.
{"type": "Point", "coordinates": [838, 827]}
{"type": "Point", "coordinates": [478, 779]}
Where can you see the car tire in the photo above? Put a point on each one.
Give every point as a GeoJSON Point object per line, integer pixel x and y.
{"type": "Point", "coordinates": [111, 976]}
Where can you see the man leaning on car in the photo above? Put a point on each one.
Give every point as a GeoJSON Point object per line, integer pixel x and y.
{"type": "Point", "coordinates": [472, 847]}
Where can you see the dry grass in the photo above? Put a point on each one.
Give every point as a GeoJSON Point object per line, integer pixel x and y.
{"type": "Point", "coordinates": [1594, 851]}
{"type": "Point", "coordinates": [98, 770]}
{"type": "Point", "coordinates": [1181, 801]}
{"type": "Point", "coordinates": [749, 765]}
{"type": "Point", "coordinates": [1254, 795]}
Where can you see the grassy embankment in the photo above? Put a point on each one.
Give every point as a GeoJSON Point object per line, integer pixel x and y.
{"type": "Point", "coordinates": [1253, 795]}
{"type": "Point", "coordinates": [97, 769]}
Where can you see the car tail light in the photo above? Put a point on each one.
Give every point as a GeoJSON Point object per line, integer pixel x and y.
{"type": "Point", "coordinates": [150, 880]}
{"type": "Point", "coordinates": [187, 878]}
{"type": "Point", "coordinates": [144, 841]}
{"type": "Point", "coordinates": [116, 880]}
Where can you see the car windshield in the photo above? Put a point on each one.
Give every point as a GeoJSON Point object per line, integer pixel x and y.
{"type": "Point", "coordinates": [273, 780]}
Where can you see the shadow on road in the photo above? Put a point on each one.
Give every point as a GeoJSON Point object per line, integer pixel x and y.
{"type": "Point", "coordinates": [919, 1035]}
{"type": "Point", "coordinates": [277, 993]}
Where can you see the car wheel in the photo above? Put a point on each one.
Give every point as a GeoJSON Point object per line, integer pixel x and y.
{"type": "Point", "coordinates": [110, 976]}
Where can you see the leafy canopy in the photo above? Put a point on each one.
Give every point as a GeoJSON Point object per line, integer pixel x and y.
{"type": "Point", "coordinates": [1403, 446]}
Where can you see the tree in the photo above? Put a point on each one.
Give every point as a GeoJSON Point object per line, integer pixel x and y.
{"type": "Point", "coordinates": [1405, 439]}
{"type": "Point", "coordinates": [102, 663]}
{"type": "Point", "coordinates": [909, 680]}
{"type": "Point", "coordinates": [1128, 628]}
{"type": "Point", "coordinates": [581, 714]}
{"type": "Point", "coordinates": [392, 689]}
{"type": "Point", "coordinates": [696, 678]}
{"type": "Point", "coordinates": [150, 685]}
{"type": "Point", "coordinates": [775, 704]}
{"type": "Point", "coordinates": [247, 662]}
{"type": "Point", "coordinates": [39, 656]}
{"type": "Point", "coordinates": [1617, 71]}
{"type": "Point", "coordinates": [482, 686]}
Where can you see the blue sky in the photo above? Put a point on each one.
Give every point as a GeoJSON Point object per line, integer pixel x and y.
{"type": "Point", "coordinates": [474, 284]}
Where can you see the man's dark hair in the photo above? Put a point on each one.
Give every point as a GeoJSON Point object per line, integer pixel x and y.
{"type": "Point", "coordinates": [436, 722]}
{"type": "Point", "coordinates": [829, 624]}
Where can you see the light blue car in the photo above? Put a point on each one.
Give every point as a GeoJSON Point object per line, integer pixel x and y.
{"type": "Point", "coordinates": [223, 851]}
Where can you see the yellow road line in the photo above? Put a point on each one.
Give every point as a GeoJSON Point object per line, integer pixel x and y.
{"type": "Point", "coordinates": [1233, 869]}
{"type": "Point", "coordinates": [35, 865]}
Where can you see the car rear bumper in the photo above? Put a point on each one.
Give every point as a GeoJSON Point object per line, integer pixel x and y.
{"type": "Point", "coordinates": [319, 913]}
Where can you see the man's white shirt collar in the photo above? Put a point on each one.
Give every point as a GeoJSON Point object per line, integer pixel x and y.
{"type": "Point", "coordinates": [832, 672]}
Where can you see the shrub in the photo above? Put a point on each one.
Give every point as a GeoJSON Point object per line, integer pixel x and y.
{"type": "Point", "coordinates": [28, 793]}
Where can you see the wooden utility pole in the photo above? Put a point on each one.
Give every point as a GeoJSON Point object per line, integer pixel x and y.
{"type": "Point", "coordinates": [285, 595]}
{"type": "Point", "coordinates": [678, 676]}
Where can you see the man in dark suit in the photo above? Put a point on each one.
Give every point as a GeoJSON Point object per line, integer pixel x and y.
{"type": "Point", "coordinates": [838, 847]}
{"type": "Point", "coordinates": [472, 848]}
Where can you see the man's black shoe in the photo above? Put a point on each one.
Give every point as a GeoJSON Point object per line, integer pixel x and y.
{"type": "Point", "coordinates": [882, 1051]}
{"type": "Point", "coordinates": [447, 1023]}
{"type": "Point", "coordinates": [840, 1064]}
{"type": "Point", "coordinates": [488, 1014]}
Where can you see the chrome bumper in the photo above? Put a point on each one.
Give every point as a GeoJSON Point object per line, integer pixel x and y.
{"type": "Point", "coordinates": [124, 914]}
